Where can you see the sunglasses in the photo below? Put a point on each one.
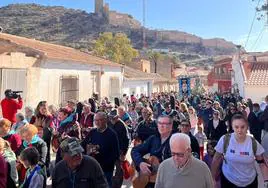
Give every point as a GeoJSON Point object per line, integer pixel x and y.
{"type": "Point", "coordinates": [185, 125]}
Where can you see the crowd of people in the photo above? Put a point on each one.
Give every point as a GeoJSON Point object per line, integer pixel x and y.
{"type": "Point", "coordinates": [201, 141]}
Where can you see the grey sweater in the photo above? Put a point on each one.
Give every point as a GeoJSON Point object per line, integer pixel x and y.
{"type": "Point", "coordinates": [195, 174]}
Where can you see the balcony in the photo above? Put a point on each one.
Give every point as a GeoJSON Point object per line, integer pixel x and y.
{"type": "Point", "coordinates": [223, 77]}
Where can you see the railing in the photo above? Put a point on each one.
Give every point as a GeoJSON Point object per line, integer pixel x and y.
{"type": "Point", "coordinates": [223, 76]}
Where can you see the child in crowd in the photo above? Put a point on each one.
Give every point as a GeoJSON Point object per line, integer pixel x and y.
{"type": "Point", "coordinates": [201, 138]}
{"type": "Point", "coordinates": [35, 176]}
{"type": "Point", "coordinates": [209, 157]}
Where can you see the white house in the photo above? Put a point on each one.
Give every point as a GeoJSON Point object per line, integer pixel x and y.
{"type": "Point", "coordinates": [137, 82]}
{"type": "Point", "coordinates": [250, 75]}
{"type": "Point", "coordinates": [54, 73]}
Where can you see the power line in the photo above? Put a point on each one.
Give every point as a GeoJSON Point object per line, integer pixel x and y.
{"type": "Point", "coordinates": [252, 23]}
{"type": "Point", "coordinates": [259, 36]}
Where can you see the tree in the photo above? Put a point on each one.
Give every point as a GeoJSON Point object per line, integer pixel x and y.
{"type": "Point", "coordinates": [155, 57]}
{"type": "Point", "coordinates": [174, 59]}
{"type": "Point", "coordinates": [116, 47]}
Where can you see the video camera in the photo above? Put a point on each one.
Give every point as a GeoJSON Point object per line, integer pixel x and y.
{"type": "Point", "coordinates": [12, 94]}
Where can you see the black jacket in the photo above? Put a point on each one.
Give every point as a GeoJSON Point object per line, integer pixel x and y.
{"type": "Point", "coordinates": [264, 118]}
{"type": "Point", "coordinates": [255, 125]}
{"type": "Point", "coordinates": [88, 174]}
{"type": "Point", "coordinates": [216, 134]}
{"type": "Point", "coordinates": [108, 147]}
{"type": "Point", "coordinates": [122, 133]}
{"type": "Point", "coordinates": [145, 130]}
{"type": "Point", "coordinates": [194, 144]}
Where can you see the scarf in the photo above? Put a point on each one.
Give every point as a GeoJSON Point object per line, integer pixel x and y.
{"type": "Point", "coordinates": [67, 120]}
{"type": "Point", "coordinates": [34, 140]}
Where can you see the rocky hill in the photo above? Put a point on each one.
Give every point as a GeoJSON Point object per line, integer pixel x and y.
{"type": "Point", "coordinates": [79, 29]}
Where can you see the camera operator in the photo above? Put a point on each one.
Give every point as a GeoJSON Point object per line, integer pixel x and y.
{"type": "Point", "coordinates": [11, 104]}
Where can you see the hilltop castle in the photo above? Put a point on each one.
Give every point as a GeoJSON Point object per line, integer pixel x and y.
{"type": "Point", "coordinates": [102, 9]}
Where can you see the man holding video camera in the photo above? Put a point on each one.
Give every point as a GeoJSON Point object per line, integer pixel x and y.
{"type": "Point", "coordinates": [11, 104]}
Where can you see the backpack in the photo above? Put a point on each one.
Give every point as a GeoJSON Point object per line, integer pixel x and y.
{"type": "Point", "coordinates": [226, 140]}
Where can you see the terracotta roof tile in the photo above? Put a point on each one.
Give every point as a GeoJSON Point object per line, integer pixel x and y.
{"type": "Point", "coordinates": [259, 74]}
{"type": "Point", "coordinates": [56, 51]}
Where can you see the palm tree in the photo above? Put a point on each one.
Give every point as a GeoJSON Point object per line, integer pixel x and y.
{"type": "Point", "coordinates": [155, 57]}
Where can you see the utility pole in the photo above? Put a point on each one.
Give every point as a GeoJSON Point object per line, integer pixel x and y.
{"type": "Point", "coordinates": [143, 29]}
{"type": "Point", "coordinates": [266, 13]}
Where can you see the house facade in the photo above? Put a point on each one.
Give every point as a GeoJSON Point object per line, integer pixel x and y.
{"type": "Point", "coordinates": [137, 82]}
{"type": "Point", "coordinates": [250, 77]}
{"type": "Point", "coordinates": [220, 77]}
{"type": "Point", "coordinates": [54, 73]}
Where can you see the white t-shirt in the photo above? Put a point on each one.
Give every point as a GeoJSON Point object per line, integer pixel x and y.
{"type": "Point", "coordinates": [239, 167]}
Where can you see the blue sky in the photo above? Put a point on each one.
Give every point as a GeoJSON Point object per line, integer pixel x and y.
{"type": "Point", "coordinates": [229, 19]}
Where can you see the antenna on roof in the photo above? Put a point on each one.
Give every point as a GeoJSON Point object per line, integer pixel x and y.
{"type": "Point", "coordinates": [1, 29]}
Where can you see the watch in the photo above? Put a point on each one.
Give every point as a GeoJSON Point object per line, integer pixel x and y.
{"type": "Point", "coordinates": [265, 183]}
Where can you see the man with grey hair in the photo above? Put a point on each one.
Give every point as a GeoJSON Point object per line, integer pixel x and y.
{"type": "Point", "coordinates": [182, 169]}
{"type": "Point", "coordinates": [102, 144]}
{"type": "Point", "coordinates": [156, 145]}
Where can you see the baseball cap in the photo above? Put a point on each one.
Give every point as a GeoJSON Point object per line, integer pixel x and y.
{"type": "Point", "coordinates": [71, 146]}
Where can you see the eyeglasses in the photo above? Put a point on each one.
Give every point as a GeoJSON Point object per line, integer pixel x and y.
{"type": "Point", "coordinates": [163, 123]}
{"type": "Point", "coordinates": [185, 125]}
{"type": "Point", "coordinates": [180, 155]}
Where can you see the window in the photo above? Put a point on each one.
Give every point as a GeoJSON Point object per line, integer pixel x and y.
{"type": "Point", "coordinates": [115, 87]}
{"type": "Point", "coordinates": [14, 79]}
{"type": "Point", "coordinates": [95, 78]}
{"type": "Point", "coordinates": [224, 70]}
{"type": "Point", "coordinates": [69, 89]}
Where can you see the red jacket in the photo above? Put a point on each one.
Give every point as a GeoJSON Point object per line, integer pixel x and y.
{"type": "Point", "coordinates": [3, 172]}
{"type": "Point", "coordinates": [10, 108]}
{"type": "Point", "coordinates": [86, 121]}
{"type": "Point", "coordinates": [14, 141]}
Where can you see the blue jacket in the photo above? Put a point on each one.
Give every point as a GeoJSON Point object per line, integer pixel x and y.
{"type": "Point", "coordinates": [153, 147]}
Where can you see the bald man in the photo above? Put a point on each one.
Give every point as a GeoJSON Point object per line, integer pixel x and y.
{"type": "Point", "coordinates": [182, 169]}
{"type": "Point", "coordinates": [102, 144]}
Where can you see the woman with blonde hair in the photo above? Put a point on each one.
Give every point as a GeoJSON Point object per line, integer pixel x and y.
{"type": "Point", "coordinates": [8, 135]}
{"type": "Point", "coordinates": [10, 158]}
{"type": "Point", "coordinates": [184, 110]}
{"type": "Point", "coordinates": [29, 134]}
{"type": "Point", "coordinates": [193, 120]}
{"type": "Point", "coordinates": [53, 110]}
